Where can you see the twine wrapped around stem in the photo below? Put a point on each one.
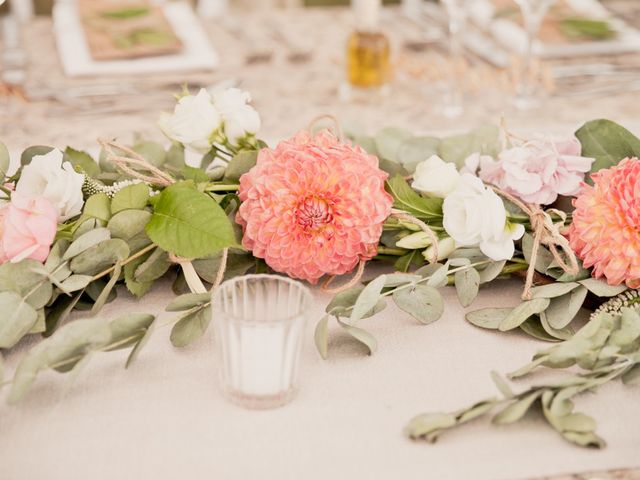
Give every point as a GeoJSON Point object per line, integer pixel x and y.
{"type": "Point", "coordinates": [546, 233]}
{"type": "Point", "coordinates": [192, 277]}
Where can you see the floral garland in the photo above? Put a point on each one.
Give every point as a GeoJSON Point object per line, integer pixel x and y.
{"type": "Point", "coordinates": [462, 210]}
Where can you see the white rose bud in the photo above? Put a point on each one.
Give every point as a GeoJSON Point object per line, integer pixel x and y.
{"type": "Point", "coordinates": [47, 176]}
{"type": "Point", "coordinates": [238, 116]}
{"type": "Point", "coordinates": [474, 215]}
{"type": "Point", "coordinates": [194, 122]}
{"type": "Point", "coordinates": [435, 177]}
{"type": "Point", "coordinates": [446, 247]}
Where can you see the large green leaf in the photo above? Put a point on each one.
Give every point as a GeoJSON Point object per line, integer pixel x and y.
{"type": "Point", "coordinates": [607, 142]}
{"type": "Point", "coordinates": [190, 224]}
{"type": "Point", "coordinates": [130, 197]}
{"type": "Point", "coordinates": [405, 198]}
{"type": "Point", "coordinates": [30, 152]}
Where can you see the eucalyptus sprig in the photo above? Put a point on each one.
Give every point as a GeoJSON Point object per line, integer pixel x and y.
{"type": "Point", "coordinates": [606, 348]}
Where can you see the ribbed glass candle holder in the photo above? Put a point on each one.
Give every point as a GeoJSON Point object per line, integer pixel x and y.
{"type": "Point", "coordinates": [259, 327]}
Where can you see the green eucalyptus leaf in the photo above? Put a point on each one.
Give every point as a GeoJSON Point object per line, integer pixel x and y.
{"type": "Point", "coordinates": [17, 320]}
{"type": "Point", "coordinates": [106, 291]}
{"type": "Point", "coordinates": [522, 312]}
{"type": "Point", "coordinates": [491, 271]}
{"type": "Point", "coordinates": [489, 318]}
{"type": "Point", "coordinates": [100, 257]}
{"type": "Point", "coordinates": [603, 289]}
{"type": "Point", "coordinates": [564, 333]}
{"type": "Point", "coordinates": [533, 328]}
{"type": "Point", "coordinates": [438, 274]}
{"type": "Point", "coordinates": [190, 327]}
{"type": "Point", "coordinates": [415, 150]}
{"type": "Point", "coordinates": [137, 288]}
{"type": "Point", "coordinates": [62, 351]}
{"type": "Point", "coordinates": [59, 312]}
{"type": "Point", "coordinates": [502, 385]}
{"type": "Point", "coordinates": [237, 264]}
{"type": "Point", "coordinates": [34, 151]}
{"type": "Point", "coordinates": [240, 164]}
{"type": "Point", "coordinates": [343, 302]}
{"type": "Point", "coordinates": [129, 224]}
{"type": "Point", "coordinates": [588, 439]}
{"type": "Point", "coordinates": [86, 241]}
{"type": "Point", "coordinates": [467, 285]}
{"type": "Point", "coordinates": [516, 410]}
{"type": "Point", "coordinates": [553, 290]}
{"type": "Point", "coordinates": [422, 302]}
{"type": "Point", "coordinates": [82, 162]}
{"type": "Point", "coordinates": [153, 267]}
{"type": "Point", "coordinates": [607, 142]}
{"type": "Point", "coordinates": [76, 282]}
{"type": "Point", "coordinates": [198, 175]}
{"type": "Point", "coordinates": [135, 351]}
{"type": "Point", "coordinates": [27, 279]}
{"type": "Point", "coordinates": [457, 148]}
{"type": "Point", "coordinates": [577, 422]}
{"type": "Point", "coordinates": [97, 206]}
{"type": "Point", "coordinates": [632, 376]}
{"type": "Point", "coordinates": [368, 298]}
{"type": "Point", "coordinates": [404, 263]}
{"type": "Point", "coordinates": [151, 151]}
{"type": "Point", "coordinates": [361, 335]}
{"type": "Point", "coordinates": [562, 310]}
{"type": "Point", "coordinates": [189, 223]}
{"type": "Point", "coordinates": [128, 330]}
{"type": "Point", "coordinates": [131, 197]}
{"type": "Point", "coordinates": [477, 410]}
{"type": "Point", "coordinates": [321, 336]}
{"type": "Point", "coordinates": [397, 279]}
{"type": "Point", "coordinates": [389, 140]}
{"type": "Point", "coordinates": [188, 301]}
{"type": "Point", "coordinates": [425, 424]}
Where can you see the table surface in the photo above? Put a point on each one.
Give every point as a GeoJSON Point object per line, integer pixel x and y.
{"type": "Point", "coordinates": [165, 417]}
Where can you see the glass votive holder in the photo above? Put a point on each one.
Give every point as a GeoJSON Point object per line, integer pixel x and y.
{"type": "Point", "coordinates": [259, 328]}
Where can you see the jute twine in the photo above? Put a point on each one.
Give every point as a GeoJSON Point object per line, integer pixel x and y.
{"type": "Point", "coordinates": [546, 233]}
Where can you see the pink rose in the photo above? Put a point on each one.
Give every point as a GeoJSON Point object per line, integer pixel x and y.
{"type": "Point", "coordinates": [29, 226]}
{"type": "Point", "coordinates": [536, 171]}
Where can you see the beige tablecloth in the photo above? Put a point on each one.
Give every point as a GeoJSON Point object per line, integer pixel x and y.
{"type": "Point", "coordinates": [165, 418]}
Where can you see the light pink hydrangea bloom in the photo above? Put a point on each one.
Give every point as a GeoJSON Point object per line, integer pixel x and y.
{"type": "Point", "coordinates": [28, 228]}
{"type": "Point", "coordinates": [605, 232]}
{"type": "Point", "coordinates": [536, 171]}
{"type": "Point", "coordinates": [313, 206]}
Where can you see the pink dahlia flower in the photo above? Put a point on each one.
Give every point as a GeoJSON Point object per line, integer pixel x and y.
{"type": "Point", "coordinates": [313, 206]}
{"type": "Point", "coordinates": [605, 232]}
{"type": "Point", "coordinates": [536, 171]}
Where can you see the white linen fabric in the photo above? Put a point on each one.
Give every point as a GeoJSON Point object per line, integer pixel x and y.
{"type": "Point", "coordinates": [165, 418]}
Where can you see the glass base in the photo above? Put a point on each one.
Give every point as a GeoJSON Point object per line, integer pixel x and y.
{"type": "Point", "coordinates": [259, 402]}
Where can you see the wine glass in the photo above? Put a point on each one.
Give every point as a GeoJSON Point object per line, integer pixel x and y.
{"type": "Point", "coordinates": [533, 12]}
{"type": "Point", "coordinates": [457, 19]}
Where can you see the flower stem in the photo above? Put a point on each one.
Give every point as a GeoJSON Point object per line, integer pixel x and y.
{"type": "Point", "coordinates": [222, 187]}
{"type": "Point", "coordinates": [396, 252]}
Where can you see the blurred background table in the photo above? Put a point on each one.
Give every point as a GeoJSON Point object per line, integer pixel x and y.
{"type": "Point", "coordinates": [292, 62]}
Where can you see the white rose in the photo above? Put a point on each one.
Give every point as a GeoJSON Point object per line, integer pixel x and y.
{"type": "Point", "coordinates": [194, 122]}
{"type": "Point", "coordinates": [435, 177]}
{"type": "Point", "coordinates": [475, 215]}
{"type": "Point", "coordinates": [47, 176]}
{"type": "Point", "coordinates": [238, 116]}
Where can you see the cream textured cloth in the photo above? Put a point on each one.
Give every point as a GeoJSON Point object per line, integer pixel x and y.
{"type": "Point", "coordinates": [165, 418]}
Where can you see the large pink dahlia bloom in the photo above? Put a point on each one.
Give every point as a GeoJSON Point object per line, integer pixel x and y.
{"type": "Point", "coordinates": [605, 232]}
{"type": "Point", "coordinates": [313, 206]}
